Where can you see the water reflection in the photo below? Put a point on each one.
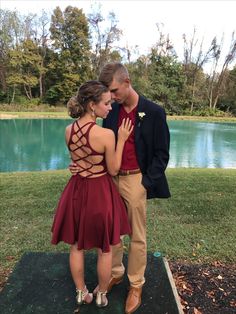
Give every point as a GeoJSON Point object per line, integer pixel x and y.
{"type": "Point", "coordinates": [201, 144]}
{"type": "Point", "coordinates": [38, 144]}
{"type": "Point", "coordinates": [33, 145]}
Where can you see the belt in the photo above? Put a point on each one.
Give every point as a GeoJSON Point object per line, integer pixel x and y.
{"type": "Point", "coordinates": [127, 172]}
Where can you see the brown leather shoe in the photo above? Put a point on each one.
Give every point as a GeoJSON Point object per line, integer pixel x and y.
{"type": "Point", "coordinates": [114, 281]}
{"type": "Point", "coordinates": [133, 300]}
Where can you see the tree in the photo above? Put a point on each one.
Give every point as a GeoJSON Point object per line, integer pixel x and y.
{"type": "Point", "coordinates": [166, 80]}
{"type": "Point", "coordinates": [217, 81]}
{"type": "Point", "coordinates": [163, 45]}
{"type": "Point", "coordinates": [70, 41]}
{"type": "Point", "coordinates": [9, 38]}
{"type": "Point", "coordinates": [23, 67]}
{"type": "Point", "coordinates": [42, 40]}
{"type": "Point", "coordinates": [193, 64]}
{"type": "Point", "coordinates": [227, 102]}
{"type": "Point", "coordinates": [103, 40]}
{"type": "Point", "coordinates": [138, 71]}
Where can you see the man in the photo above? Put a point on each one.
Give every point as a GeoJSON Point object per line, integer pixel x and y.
{"type": "Point", "coordinates": [142, 173]}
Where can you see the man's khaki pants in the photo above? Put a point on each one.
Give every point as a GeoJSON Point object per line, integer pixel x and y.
{"type": "Point", "coordinates": [134, 195]}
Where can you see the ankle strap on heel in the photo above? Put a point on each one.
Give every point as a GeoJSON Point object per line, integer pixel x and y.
{"type": "Point", "coordinates": [101, 299]}
{"type": "Point", "coordinates": [83, 296]}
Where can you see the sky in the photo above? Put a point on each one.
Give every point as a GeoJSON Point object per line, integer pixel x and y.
{"type": "Point", "coordinates": [138, 19]}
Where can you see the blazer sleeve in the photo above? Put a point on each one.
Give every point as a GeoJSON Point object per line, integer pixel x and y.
{"type": "Point", "coordinates": [160, 158]}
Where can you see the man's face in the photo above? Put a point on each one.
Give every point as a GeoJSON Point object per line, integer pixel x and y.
{"type": "Point", "coordinates": [119, 90]}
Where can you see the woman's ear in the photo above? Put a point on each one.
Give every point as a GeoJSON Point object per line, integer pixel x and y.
{"type": "Point", "coordinates": [91, 106]}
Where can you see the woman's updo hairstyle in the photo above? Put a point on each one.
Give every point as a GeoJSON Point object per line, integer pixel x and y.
{"type": "Point", "coordinates": [89, 91]}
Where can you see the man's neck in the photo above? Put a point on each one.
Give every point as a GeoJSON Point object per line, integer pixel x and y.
{"type": "Point", "coordinates": [131, 102]}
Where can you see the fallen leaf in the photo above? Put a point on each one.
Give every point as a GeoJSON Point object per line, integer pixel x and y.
{"type": "Point", "coordinates": [196, 311]}
{"type": "Point", "coordinates": [10, 258]}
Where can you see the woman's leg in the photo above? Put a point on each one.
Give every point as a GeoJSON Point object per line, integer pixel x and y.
{"type": "Point", "coordinates": [77, 266]}
{"type": "Point", "coordinates": [104, 275]}
{"type": "Point", "coordinates": [77, 272]}
{"type": "Point", "coordinates": [104, 269]}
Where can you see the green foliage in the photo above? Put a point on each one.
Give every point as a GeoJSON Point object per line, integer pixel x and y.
{"type": "Point", "coordinates": [53, 95]}
{"type": "Point", "coordinates": [205, 112]}
{"type": "Point", "coordinates": [70, 37]}
{"type": "Point", "coordinates": [3, 96]}
{"type": "Point", "coordinates": [227, 102]}
{"type": "Point", "coordinates": [51, 64]}
{"type": "Point", "coordinates": [139, 75]}
{"type": "Point", "coordinates": [162, 79]}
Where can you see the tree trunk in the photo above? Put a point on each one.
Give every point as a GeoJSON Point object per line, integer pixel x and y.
{"type": "Point", "coordinates": [41, 86]}
{"type": "Point", "coordinates": [215, 102]}
{"type": "Point", "coordinates": [210, 99]}
{"type": "Point", "coordinates": [13, 94]}
{"type": "Point", "coordinates": [27, 92]}
{"type": "Point", "coordinates": [193, 95]}
{"type": "Point", "coordinates": [3, 78]}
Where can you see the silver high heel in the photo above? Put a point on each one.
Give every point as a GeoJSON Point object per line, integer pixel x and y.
{"type": "Point", "coordinates": [83, 296]}
{"type": "Point", "coordinates": [101, 299]}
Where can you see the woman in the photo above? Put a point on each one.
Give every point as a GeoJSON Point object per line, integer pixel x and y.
{"type": "Point", "coordinates": [90, 213]}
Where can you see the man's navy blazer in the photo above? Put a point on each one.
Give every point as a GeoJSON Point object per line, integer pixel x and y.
{"type": "Point", "coordinates": [152, 141]}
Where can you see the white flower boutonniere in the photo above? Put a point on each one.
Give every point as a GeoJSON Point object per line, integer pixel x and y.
{"type": "Point", "coordinates": [141, 115]}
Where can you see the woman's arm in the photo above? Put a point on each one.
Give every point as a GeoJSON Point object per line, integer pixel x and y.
{"type": "Point", "coordinates": [113, 154]}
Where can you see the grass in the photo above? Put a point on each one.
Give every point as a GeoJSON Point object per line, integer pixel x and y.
{"type": "Point", "coordinates": [203, 118]}
{"type": "Point", "coordinates": [197, 224]}
{"type": "Point", "coordinates": [62, 114]}
{"type": "Point", "coordinates": [33, 115]}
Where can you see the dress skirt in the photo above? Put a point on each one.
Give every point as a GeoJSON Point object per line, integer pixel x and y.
{"type": "Point", "coordinates": [90, 213]}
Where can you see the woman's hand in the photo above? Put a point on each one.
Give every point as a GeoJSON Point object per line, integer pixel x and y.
{"type": "Point", "coordinates": [125, 129]}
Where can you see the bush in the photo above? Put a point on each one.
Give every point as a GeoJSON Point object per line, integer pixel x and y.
{"type": "Point", "coordinates": [31, 108]}
{"type": "Point", "coordinates": [206, 112]}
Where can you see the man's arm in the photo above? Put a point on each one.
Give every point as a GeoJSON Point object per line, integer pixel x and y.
{"type": "Point", "coordinates": [160, 158]}
{"type": "Point", "coordinates": [73, 168]}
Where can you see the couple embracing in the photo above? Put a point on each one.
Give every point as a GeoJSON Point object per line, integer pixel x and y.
{"type": "Point", "coordinates": [115, 168]}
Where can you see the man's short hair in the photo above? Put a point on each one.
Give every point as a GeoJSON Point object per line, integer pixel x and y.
{"type": "Point", "coordinates": [111, 71]}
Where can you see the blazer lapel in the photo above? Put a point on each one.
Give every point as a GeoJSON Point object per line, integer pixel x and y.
{"type": "Point", "coordinates": [113, 121]}
{"type": "Point", "coordinates": [138, 122]}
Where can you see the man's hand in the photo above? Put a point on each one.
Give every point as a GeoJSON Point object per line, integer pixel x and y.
{"type": "Point", "coordinates": [73, 168]}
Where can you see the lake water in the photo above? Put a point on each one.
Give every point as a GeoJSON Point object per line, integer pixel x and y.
{"type": "Point", "coordinates": [38, 144]}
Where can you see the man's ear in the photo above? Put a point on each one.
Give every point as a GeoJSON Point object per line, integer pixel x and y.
{"type": "Point", "coordinates": [127, 81]}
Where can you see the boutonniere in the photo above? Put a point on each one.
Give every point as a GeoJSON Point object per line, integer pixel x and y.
{"type": "Point", "coordinates": [141, 115]}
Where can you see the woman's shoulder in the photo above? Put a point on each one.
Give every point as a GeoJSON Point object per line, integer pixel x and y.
{"type": "Point", "coordinates": [69, 127]}
{"type": "Point", "coordinates": [103, 131]}
{"type": "Point", "coordinates": [101, 137]}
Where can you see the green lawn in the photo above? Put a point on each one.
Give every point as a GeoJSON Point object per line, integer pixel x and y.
{"type": "Point", "coordinates": [62, 114]}
{"type": "Point", "coordinates": [34, 115]}
{"type": "Point", "coordinates": [197, 224]}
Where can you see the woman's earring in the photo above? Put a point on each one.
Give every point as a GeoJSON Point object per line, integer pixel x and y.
{"type": "Point", "coordinates": [93, 112]}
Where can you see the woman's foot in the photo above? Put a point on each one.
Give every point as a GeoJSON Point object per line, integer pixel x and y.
{"type": "Point", "coordinates": [101, 299]}
{"type": "Point", "coordinates": [113, 281]}
{"type": "Point", "coordinates": [83, 296]}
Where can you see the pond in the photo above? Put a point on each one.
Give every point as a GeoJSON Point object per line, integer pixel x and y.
{"type": "Point", "coordinates": [38, 144]}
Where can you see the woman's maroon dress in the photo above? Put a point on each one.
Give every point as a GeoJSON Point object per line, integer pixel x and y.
{"type": "Point", "coordinates": [90, 210]}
